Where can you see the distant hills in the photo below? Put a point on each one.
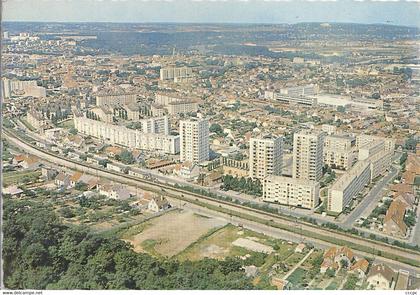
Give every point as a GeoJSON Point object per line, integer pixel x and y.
{"type": "Point", "coordinates": [161, 38]}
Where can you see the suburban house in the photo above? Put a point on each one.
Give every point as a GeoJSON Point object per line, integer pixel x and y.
{"type": "Point", "coordinates": [158, 203]}
{"type": "Point", "coordinates": [75, 178]}
{"type": "Point", "coordinates": [187, 170]}
{"type": "Point", "coordinates": [280, 284]}
{"type": "Point", "coordinates": [48, 173]}
{"type": "Point", "coordinates": [382, 277]}
{"type": "Point", "coordinates": [394, 219]}
{"type": "Point", "coordinates": [62, 180]}
{"type": "Point", "coordinates": [115, 191]}
{"type": "Point", "coordinates": [26, 161]}
{"type": "Point", "coordinates": [113, 151]}
{"type": "Point", "coordinates": [31, 163]}
{"type": "Point", "coordinates": [333, 258]}
{"type": "Point", "coordinates": [407, 198]}
{"type": "Point", "coordinates": [360, 267]}
{"type": "Point", "coordinates": [12, 190]}
{"type": "Point", "coordinates": [299, 248]}
{"type": "Point", "coordinates": [74, 141]}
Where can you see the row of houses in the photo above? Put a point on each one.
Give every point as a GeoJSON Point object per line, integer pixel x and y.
{"type": "Point", "coordinates": [378, 276]}
{"type": "Point", "coordinates": [146, 201]}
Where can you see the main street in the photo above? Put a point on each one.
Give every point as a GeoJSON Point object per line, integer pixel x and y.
{"type": "Point", "coordinates": [321, 233]}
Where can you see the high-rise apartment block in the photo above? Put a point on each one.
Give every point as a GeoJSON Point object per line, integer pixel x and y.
{"type": "Point", "coordinates": [11, 88]}
{"type": "Point", "coordinates": [340, 151]}
{"type": "Point", "coordinates": [175, 72]}
{"type": "Point", "coordinates": [291, 191]}
{"type": "Point", "coordinates": [265, 157]}
{"type": "Point", "coordinates": [308, 154]}
{"type": "Point", "coordinates": [194, 143]}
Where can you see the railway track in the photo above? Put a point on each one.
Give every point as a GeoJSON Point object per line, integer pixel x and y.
{"type": "Point", "coordinates": [325, 234]}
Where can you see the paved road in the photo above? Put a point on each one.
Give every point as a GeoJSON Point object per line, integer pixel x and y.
{"type": "Point", "coordinates": [281, 234]}
{"type": "Point", "coordinates": [370, 201]}
{"type": "Point", "coordinates": [415, 235]}
{"type": "Point", "coordinates": [262, 228]}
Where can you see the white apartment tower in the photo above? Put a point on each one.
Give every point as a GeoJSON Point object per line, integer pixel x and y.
{"type": "Point", "coordinates": [265, 157]}
{"type": "Point", "coordinates": [308, 154]}
{"type": "Point", "coordinates": [194, 140]}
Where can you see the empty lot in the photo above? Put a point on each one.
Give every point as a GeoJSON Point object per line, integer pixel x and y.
{"type": "Point", "coordinates": [171, 233]}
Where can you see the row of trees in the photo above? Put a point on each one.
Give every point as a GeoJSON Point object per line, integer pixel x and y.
{"type": "Point", "coordinates": [92, 115]}
{"type": "Point", "coordinates": [40, 252]}
{"type": "Point", "coordinates": [244, 185]}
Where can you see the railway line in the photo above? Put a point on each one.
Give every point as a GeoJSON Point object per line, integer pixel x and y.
{"type": "Point", "coordinates": [311, 231]}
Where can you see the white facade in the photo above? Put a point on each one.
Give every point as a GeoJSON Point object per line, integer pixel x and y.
{"type": "Point", "coordinates": [308, 154]}
{"type": "Point", "coordinates": [170, 73]}
{"type": "Point", "coordinates": [371, 149]}
{"type": "Point", "coordinates": [182, 107]}
{"type": "Point", "coordinates": [306, 100]}
{"type": "Point", "coordinates": [155, 125]}
{"type": "Point", "coordinates": [348, 186]}
{"type": "Point", "coordinates": [116, 99]}
{"type": "Point", "coordinates": [194, 140]}
{"type": "Point", "coordinates": [265, 157]}
{"type": "Point", "coordinates": [380, 163]}
{"type": "Point", "coordinates": [305, 90]}
{"type": "Point", "coordinates": [290, 191]}
{"type": "Point", "coordinates": [21, 88]}
{"type": "Point", "coordinates": [339, 152]}
{"type": "Point", "coordinates": [363, 139]}
{"type": "Point", "coordinates": [124, 136]}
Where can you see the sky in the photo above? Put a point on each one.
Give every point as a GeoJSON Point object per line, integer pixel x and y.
{"type": "Point", "coordinates": [402, 12]}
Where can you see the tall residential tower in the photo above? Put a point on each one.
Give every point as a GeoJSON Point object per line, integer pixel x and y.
{"type": "Point", "coordinates": [308, 154]}
{"type": "Point", "coordinates": [194, 140]}
{"type": "Point", "coordinates": [265, 156]}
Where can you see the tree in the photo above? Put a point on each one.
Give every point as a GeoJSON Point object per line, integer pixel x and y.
{"type": "Point", "coordinates": [80, 186]}
{"type": "Point", "coordinates": [344, 264]}
{"type": "Point", "coordinates": [73, 131]}
{"type": "Point", "coordinates": [351, 282]}
{"type": "Point", "coordinates": [410, 143]}
{"type": "Point", "coordinates": [318, 261]}
{"type": "Point", "coordinates": [126, 157]}
{"type": "Point", "coordinates": [341, 109]}
{"type": "Point", "coordinates": [66, 212]}
{"type": "Point", "coordinates": [103, 162]}
{"type": "Point", "coordinates": [330, 272]}
{"type": "Point", "coordinates": [216, 128]}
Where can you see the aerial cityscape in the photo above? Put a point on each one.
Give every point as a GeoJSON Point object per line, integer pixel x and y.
{"type": "Point", "coordinates": [210, 156]}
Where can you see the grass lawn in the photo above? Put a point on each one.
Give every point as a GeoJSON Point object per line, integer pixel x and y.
{"type": "Point", "coordinates": [217, 245]}
{"type": "Point", "coordinates": [19, 177]}
{"type": "Point", "coordinates": [149, 246]}
{"type": "Point", "coordinates": [332, 286]}
{"type": "Point", "coordinates": [295, 258]}
{"type": "Point", "coordinates": [308, 262]}
{"type": "Point", "coordinates": [27, 125]}
{"type": "Point", "coordinates": [66, 124]}
{"type": "Point", "coordinates": [285, 250]}
{"type": "Point", "coordinates": [298, 278]}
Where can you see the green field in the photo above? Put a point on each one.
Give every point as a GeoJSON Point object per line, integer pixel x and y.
{"type": "Point", "coordinates": [66, 124]}
{"type": "Point", "coordinates": [20, 177]}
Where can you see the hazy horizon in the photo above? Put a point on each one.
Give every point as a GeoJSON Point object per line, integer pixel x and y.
{"type": "Point", "coordinates": [213, 12]}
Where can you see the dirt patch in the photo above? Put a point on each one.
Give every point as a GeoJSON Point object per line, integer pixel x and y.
{"type": "Point", "coordinates": [172, 232]}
